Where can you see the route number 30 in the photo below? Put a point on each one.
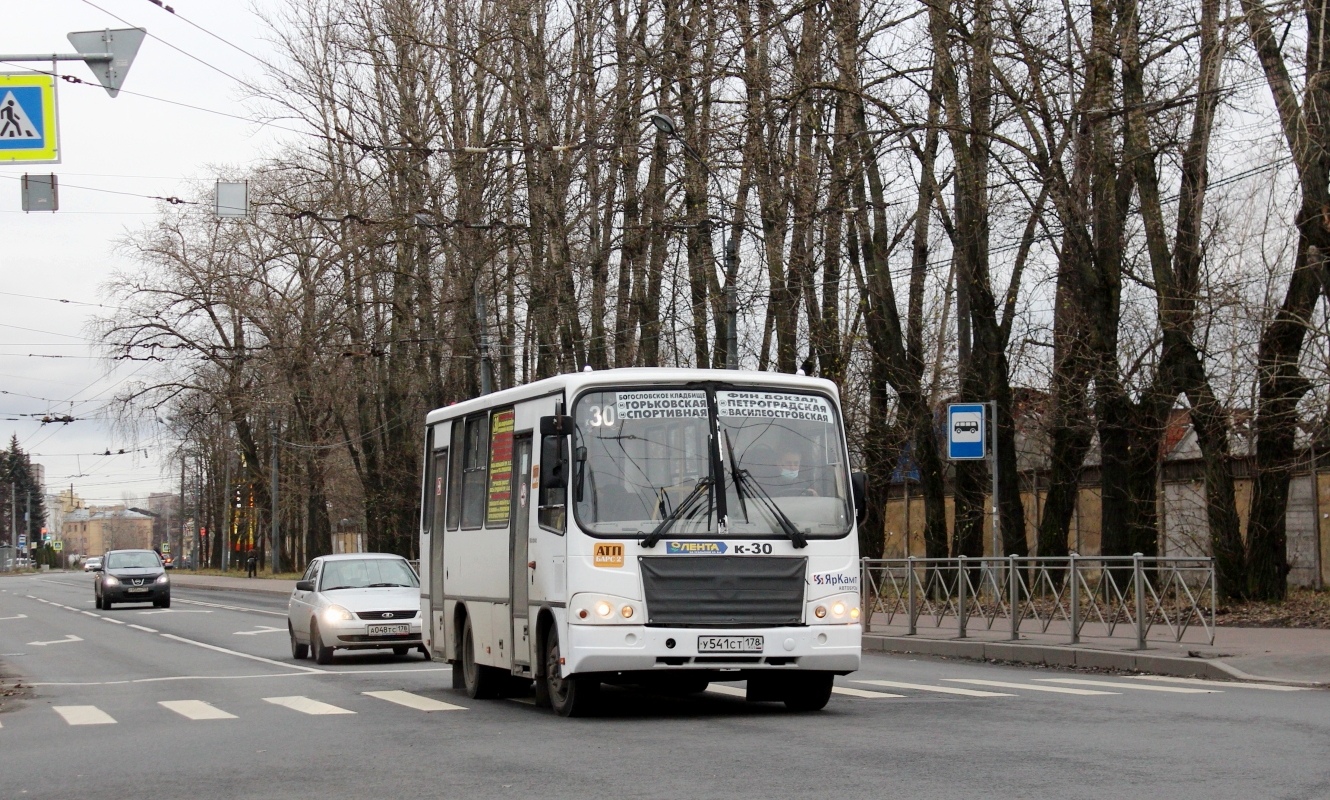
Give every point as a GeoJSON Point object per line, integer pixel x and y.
{"type": "Point", "coordinates": [603, 416]}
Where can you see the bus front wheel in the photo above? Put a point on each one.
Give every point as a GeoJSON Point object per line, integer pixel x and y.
{"type": "Point", "coordinates": [572, 696]}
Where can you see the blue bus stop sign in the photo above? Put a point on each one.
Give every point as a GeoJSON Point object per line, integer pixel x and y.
{"type": "Point", "coordinates": [965, 431]}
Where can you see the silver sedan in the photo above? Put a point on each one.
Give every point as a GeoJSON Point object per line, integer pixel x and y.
{"type": "Point", "coordinates": [355, 601]}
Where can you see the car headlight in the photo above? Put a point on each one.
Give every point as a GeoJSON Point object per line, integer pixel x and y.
{"type": "Point", "coordinates": [604, 609]}
{"type": "Point", "coordinates": [110, 580]}
{"type": "Point", "coordinates": [162, 578]}
{"type": "Point", "coordinates": [336, 613]}
{"type": "Point", "coordinates": [838, 609]}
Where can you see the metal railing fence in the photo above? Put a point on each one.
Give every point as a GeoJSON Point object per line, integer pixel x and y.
{"type": "Point", "coordinates": [1076, 595]}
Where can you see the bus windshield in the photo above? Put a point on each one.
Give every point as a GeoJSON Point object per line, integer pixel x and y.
{"type": "Point", "coordinates": [645, 456]}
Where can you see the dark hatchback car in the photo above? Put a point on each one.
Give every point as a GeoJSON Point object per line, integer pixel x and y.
{"type": "Point", "coordinates": [132, 576]}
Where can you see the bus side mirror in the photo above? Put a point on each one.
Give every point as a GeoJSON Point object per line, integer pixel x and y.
{"type": "Point", "coordinates": [859, 488]}
{"type": "Point", "coordinates": [556, 425]}
{"type": "Point", "coordinates": [553, 460]}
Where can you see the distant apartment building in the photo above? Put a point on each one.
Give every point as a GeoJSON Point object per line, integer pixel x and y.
{"type": "Point", "coordinates": [93, 531]}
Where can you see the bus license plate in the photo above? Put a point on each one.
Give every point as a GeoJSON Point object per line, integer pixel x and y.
{"type": "Point", "coordinates": [388, 630]}
{"type": "Point", "coordinates": [729, 644]}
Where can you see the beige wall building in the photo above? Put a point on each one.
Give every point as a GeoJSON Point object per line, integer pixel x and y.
{"type": "Point", "coordinates": [93, 531]}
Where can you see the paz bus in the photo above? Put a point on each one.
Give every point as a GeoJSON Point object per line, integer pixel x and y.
{"type": "Point", "coordinates": [658, 527]}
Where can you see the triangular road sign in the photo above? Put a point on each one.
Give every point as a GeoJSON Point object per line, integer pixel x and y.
{"type": "Point", "coordinates": [14, 122]}
{"type": "Point", "coordinates": [121, 45]}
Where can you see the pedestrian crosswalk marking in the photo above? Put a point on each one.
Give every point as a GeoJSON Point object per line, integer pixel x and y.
{"type": "Point", "coordinates": [1270, 687]}
{"type": "Point", "coordinates": [414, 701]}
{"type": "Point", "coordinates": [731, 691]}
{"type": "Point", "coordinates": [306, 706]}
{"type": "Point", "coordinates": [1138, 687]}
{"type": "Point", "coordinates": [195, 709]}
{"type": "Point", "coordinates": [1028, 686]}
{"type": "Point", "coordinates": [84, 715]}
{"type": "Point", "coordinates": [864, 693]}
{"type": "Point", "coordinates": [956, 690]}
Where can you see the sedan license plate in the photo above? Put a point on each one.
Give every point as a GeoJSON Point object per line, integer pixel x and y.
{"type": "Point", "coordinates": [387, 630]}
{"type": "Point", "coordinates": [729, 644]}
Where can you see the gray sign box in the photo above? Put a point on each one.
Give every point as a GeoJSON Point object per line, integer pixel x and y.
{"type": "Point", "coordinates": [40, 193]}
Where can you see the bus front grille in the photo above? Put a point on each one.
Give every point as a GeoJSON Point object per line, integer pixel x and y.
{"type": "Point", "coordinates": [723, 591]}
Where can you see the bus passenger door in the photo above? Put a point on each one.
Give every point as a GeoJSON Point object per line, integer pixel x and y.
{"type": "Point", "coordinates": [438, 637]}
{"type": "Point", "coordinates": [522, 574]}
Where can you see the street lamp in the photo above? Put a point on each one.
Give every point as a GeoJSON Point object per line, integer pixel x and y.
{"type": "Point", "coordinates": [666, 125]}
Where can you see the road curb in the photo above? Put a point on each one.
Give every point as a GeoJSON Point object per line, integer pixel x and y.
{"type": "Point", "coordinates": [257, 585]}
{"type": "Point", "coordinates": [1057, 656]}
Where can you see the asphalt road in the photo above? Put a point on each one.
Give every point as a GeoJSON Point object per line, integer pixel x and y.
{"type": "Point", "coordinates": [203, 701]}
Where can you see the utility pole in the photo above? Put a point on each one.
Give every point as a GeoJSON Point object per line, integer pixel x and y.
{"type": "Point", "coordinates": [482, 323]}
{"type": "Point", "coordinates": [275, 546]}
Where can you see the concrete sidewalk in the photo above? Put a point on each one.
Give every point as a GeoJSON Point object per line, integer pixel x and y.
{"type": "Point", "coordinates": [1294, 656]}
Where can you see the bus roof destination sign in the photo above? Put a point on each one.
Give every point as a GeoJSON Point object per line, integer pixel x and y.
{"type": "Point", "coordinates": [965, 432]}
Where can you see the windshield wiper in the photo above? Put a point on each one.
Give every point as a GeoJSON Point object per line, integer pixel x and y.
{"type": "Point", "coordinates": [335, 588]}
{"type": "Point", "coordinates": [374, 585]}
{"type": "Point", "coordinates": [783, 520]}
{"type": "Point", "coordinates": [738, 482]}
{"type": "Point", "coordinates": [679, 512]}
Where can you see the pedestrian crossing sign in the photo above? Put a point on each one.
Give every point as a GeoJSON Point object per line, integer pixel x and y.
{"type": "Point", "coordinates": [28, 131]}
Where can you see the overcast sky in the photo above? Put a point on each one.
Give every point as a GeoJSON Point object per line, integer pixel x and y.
{"type": "Point", "coordinates": [115, 153]}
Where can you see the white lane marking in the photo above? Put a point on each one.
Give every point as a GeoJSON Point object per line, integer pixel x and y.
{"type": "Point", "coordinates": [206, 646]}
{"type": "Point", "coordinates": [17, 616]}
{"type": "Point", "coordinates": [306, 706]}
{"type": "Point", "coordinates": [89, 613]}
{"type": "Point", "coordinates": [864, 693]}
{"type": "Point", "coordinates": [175, 611]}
{"type": "Point", "coordinates": [1269, 687]}
{"type": "Point", "coordinates": [398, 670]}
{"type": "Point", "coordinates": [115, 621]}
{"type": "Point", "coordinates": [174, 678]}
{"type": "Point", "coordinates": [1138, 686]}
{"type": "Point", "coordinates": [140, 627]}
{"type": "Point", "coordinates": [40, 599]}
{"type": "Point", "coordinates": [731, 691]}
{"type": "Point", "coordinates": [195, 709]}
{"type": "Point", "coordinates": [923, 687]}
{"type": "Point", "coordinates": [1028, 686]}
{"type": "Point", "coordinates": [233, 608]}
{"type": "Point", "coordinates": [69, 637]}
{"type": "Point", "coordinates": [262, 629]}
{"type": "Point", "coordinates": [84, 715]}
{"type": "Point", "coordinates": [414, 701]}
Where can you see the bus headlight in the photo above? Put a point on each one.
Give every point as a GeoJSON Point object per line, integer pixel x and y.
{"type": "Point", "coordinates": [842, 609]}
{"type": "Point", "coordinates": [600, 609]}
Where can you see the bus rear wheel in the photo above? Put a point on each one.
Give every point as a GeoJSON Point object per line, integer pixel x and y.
{"type": "Point", "coordinates": [478, 680]}
{"type": "Point", "coordinates": [573, 696]}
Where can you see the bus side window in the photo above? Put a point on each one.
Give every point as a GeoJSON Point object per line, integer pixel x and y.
{"type": "Point", "coordinates": [455, 477]}
{"type": "Point", "coordinates": [552, 509]}
{"type": "Point", "coordinates": [475, 464]}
